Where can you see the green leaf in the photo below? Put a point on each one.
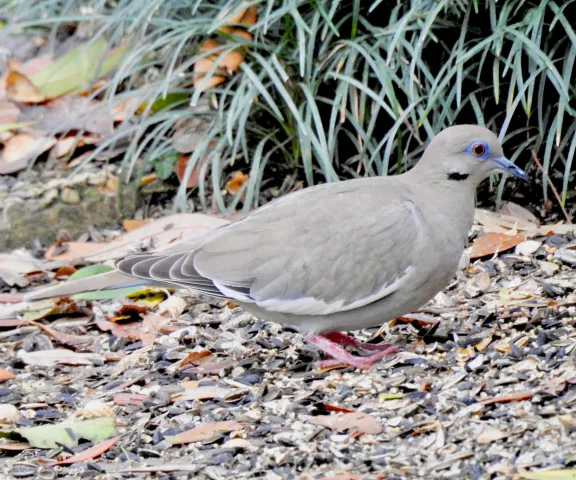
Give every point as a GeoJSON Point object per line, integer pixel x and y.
{"type": "Point", "coordinates": [551, 475]}
{"type": "Point", "coordinates": [108, 294]}
{"type": "Point", "coordinates": [164, 164]}
{"type": "Point", "coordinates": [165, 102]}
{"type": "Point", "coordinates": [68, 433]}
{"type": "Point", "coordinates": [78, 68]}
{"type": "Point", "coordinates": [90, 271]}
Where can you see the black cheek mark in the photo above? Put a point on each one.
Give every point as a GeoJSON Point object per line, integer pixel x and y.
{"type": "Point", "coordinates": [458, 176]}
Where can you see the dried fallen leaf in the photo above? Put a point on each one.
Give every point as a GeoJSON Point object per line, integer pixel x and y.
{"type": "Point", "coordinates": [204, 432]}
{"type": "Point", "coordinates": [190, 359]}
{"type": "Point", "coordinates": [513, 397]}
{"type": "Point", "coordinates": [20, 149]}
{"type": "Point", "coordinates": [64, 271]}
{"type": "Point", "coordinates": [49, 358]}
{"type": "Point", "coordinates": [21, 89]}
{"type": "Point", "coordinates": [131, 224]}
{"type": "Point", "coordinates": [180, 168]}
{"type": "Point", "coordinates": [71, 250]}
{"type": "Point", "coordinates": [6, 375]}
{"type": "Point", "coordinates": [490, 434]}
{"type": "Point", "coordinates": [90, 453]}
{"type": "Point", "coordinates": [64, 338]}
{"type": "Point", "coordinates": [492, 243]}
{"type": "Point", "coordinates": [359, 422]}
{"type": "Point", "coordinates": [201, 68]}
{"type": "Point", "coordinates": [234, 185]}
{"type": "Point", "coordinates": [201, 393]}
{"type": "Point", "coordinates": [130, 331]}
{"type": "Point", "coordinates": [129, 399]}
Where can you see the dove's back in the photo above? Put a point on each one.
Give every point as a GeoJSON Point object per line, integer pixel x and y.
{"type": "Point", "coordinates": [339, 256]}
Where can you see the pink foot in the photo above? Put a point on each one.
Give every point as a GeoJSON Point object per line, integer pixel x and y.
{"type": "Point", "coordinates": [340, 355]}
{"type": "Point", "coordinates": [344, 340]}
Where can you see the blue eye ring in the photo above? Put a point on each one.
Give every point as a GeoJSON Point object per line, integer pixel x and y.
{"type": "Point", "coordinates": [478, 150]}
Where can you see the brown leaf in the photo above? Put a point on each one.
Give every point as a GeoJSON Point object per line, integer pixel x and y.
{"type": "Point", "coordinates": [202, 67]}
{"type": "Point", "coordinates": [204, 432]}
{"type": "Point", "coordinates": [492, 243]}
{"type": "Point", "coordinates": [90, 453]}
{"type": "Point", "coordinates": [132, 310]}
{"type": "Point", "coordinates": [71, 250]}
{"type": "Point", "coordinates": [202, 393]}
{"type": "Point", "coordinates": [21, 89]}
{"type": "Point", "coordinates": [513, 397]}
{"type": "Point", "coordinates": [71, 113]}
{"type": "Point", "coordinates": [333, 408]}
{"type": "Point", "coordinates": [15, 446]}
{"type": "Point", "coordinates": [192, 359]}
{"type": "Point", "coordinates": [250, 16]}
{"type": "Point", "coordinates": [130, 331]}
{"type": "Point", "coordinates": [131, 224]}
{"type": "Point", "coordinates": [211, 368]}
{"type": "Point", "coordinates": [359, 422]}
{"type": "Point", "coordinates": [64, 271]}
{"type": "Point", "coordinates": [129, 399]}
{"type": "Point", "coordinates": [20, 149]}
{"type": "Point", "coordinates": [181, 172]}
{"type": "Point", "coordinates": [64, 338]}
{"type": "Point", "coordinates": [6, 375]}
{"type": "Point", "coordinates": [234, 185]}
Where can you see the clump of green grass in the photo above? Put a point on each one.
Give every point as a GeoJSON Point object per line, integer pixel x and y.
{"type": "Point", "coordinates": [332, 89]}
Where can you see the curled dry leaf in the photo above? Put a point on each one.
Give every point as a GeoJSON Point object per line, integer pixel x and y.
{"type": "Point", "coordinates": [492, 243]}
{"type": "Point", "coordinates": [359, 422]}
{"type": "Point", "coordinates": [204, 432]}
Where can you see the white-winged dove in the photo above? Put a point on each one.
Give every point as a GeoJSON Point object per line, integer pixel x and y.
{"type": "Point", "coordinates": [340, 256]}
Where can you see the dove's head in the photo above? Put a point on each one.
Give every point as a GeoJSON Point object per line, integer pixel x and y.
{"type": "Point", "coordinates": [466, 154]}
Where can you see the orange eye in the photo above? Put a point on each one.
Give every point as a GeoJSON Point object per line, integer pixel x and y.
{"type": "Point", "coordinates": [478, 149]}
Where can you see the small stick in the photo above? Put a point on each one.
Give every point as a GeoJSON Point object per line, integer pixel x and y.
{"type": "Point", "coordinates": [556, 194]}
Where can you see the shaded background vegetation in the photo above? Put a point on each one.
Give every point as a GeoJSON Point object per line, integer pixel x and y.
{"type": "Point", "coordinates": [332, 89]}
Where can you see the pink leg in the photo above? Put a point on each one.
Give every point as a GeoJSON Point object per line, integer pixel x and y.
{"type": "Point", "coordinates": [343, 339]}
{"type": "Point", "coordinates": [342, 356]}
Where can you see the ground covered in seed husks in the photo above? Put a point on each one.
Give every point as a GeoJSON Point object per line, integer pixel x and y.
{"type": "Point", "coordinates": [156, 384]}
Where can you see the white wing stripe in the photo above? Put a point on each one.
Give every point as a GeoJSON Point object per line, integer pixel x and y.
{"type": "Point", "coordinates": [313, 306]}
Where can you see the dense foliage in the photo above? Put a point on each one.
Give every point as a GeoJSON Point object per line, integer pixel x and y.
{"type": "Point", "coordinates": [335, 89]}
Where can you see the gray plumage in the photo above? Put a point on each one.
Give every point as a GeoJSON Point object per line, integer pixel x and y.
{"type": "Point", "coordinates": [347, 255]}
